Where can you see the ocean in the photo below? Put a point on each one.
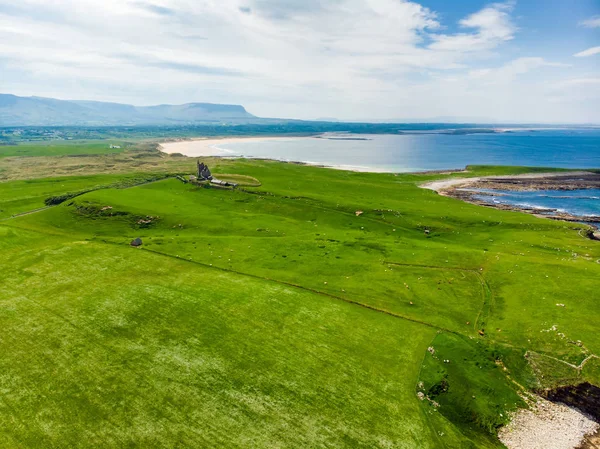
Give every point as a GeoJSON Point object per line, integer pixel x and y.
{"type": "Point", "coordinates": [575, 202]}
{"type": "Point", "coordinates": [564, 148]}
{"type": "Point", "coordinates": [439, 150]}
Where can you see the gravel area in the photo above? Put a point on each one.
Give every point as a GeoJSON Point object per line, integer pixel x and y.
{"type": "Point", "coordinates": [547, 426]}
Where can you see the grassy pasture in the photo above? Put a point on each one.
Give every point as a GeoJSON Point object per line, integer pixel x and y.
{"type": "Point", "coordinates": [24, 196]}
{"type": "Point", "coordinates": [455, 372]}
{"type": "Point", "coordinates": [270, 238]}
{"type": "Point", "coordinates": [91, 159]}
{"type": "Point", "coordinates": [128, 348]}
{"type": "Point", "coordinates": [62, 148]}
{"type": "Point", "coordinates": [274, 316]}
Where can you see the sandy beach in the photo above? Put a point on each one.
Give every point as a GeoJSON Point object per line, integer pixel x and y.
{"type": "Point", "coordinates": [214, 146]}
{"type": "Point", "coordinates": [217, 147]}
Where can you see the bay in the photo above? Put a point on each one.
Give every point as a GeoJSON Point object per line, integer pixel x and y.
{"type": "Point", "coordinates": [575, 202]}
{"type": "Point", "coordinates": [564, 148]}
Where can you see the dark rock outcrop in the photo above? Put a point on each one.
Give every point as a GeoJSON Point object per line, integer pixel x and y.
{"type": "Point", "coordinates": [584, 397]}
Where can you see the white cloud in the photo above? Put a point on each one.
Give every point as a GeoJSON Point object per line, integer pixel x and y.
{"type": "Point", "coordinates": [589, 52]}
{"type": "Point", "coordinates": [493, 26]}
{"type": "Point", "coordinates": [294, 58]}
{"type": "Point", "coordinates": [508, 72]}
{"type": "Point", "coordinates": [592, 22]}
{"type": "Point", "coordinates": [581, 82]}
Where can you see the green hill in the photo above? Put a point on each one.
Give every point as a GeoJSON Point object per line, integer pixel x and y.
{"type": "Point", "coordinates": [39, 111]}
{"type": "Point", "coordinates": [274, 316]}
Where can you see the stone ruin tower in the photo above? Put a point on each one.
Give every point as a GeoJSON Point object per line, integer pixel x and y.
{"type": "Point", "coordinates": [204, 173]}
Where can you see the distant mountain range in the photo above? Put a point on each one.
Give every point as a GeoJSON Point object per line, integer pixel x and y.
{"type": "Point", "coordinates": [39, 111]}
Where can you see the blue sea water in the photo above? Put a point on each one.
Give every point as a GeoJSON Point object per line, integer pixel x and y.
{"type": "Point", "coordinates": [575, 202]}
{"type": "Point", "coordinates": [564, 148]}
{"type": "Point", "coordinates": [561, 148]}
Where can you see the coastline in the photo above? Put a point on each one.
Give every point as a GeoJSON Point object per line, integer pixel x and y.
{"type": "Point", "coordinates": [459, 188]}
{"type": "Point", "coordinates": [209, 146]}
{"type": "Point", "coordinates": [445, 185]}
{"type": "Point", "coordinates": [456, 188]}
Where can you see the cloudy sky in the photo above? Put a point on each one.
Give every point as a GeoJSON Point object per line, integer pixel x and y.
{"type": "Point", "coordinates": [523, 60]}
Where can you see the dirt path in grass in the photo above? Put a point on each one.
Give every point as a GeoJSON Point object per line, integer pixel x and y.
{"type": "Point", "coordinates": [29, 212]}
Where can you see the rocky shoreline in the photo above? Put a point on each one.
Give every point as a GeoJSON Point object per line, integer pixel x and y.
{"type": "Point", "coordinates": [555, 181]}
{"type": "Point", "coordinates": [462, 189]}
{"type": "Point", "coordinates": [553, 214]}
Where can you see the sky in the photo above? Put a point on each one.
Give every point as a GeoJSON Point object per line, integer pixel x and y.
{"type": "Point", "coordinates": [529, 61]}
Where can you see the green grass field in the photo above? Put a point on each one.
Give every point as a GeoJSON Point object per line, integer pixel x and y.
{"type": "Point", "coordinates": [62, 148]}
{"type": "Point", "coordinates": [273, 316]}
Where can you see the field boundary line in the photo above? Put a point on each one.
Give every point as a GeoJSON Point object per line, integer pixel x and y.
{"type": "Point", "coordinates": [29, 212]}
{"type": "Point", "coordinates": [290, 284]}
{"type": "Point", "coordinates": [435, 267]}
{"type": "Point", "coordinates": [487, 293]}
{"type": "Point", "coordinates": [321, 205]}
{"type": "Point", "coordinates": [578, 368]}
{"type": "Point", "coordinates": [486, 307]}
{"type": "Point", "coordinates": [241, 273]}
{"type": "Point", "coordinates": [104, 187]}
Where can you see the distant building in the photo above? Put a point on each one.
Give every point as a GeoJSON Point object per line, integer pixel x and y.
{"type": "Point", "coordinates": [203, 173]}
{"type": "Point", "coordinates": [115, 146]}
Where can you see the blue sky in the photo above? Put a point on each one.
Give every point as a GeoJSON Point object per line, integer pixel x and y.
{"type": "Point", "coordinates": [513, 61]}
